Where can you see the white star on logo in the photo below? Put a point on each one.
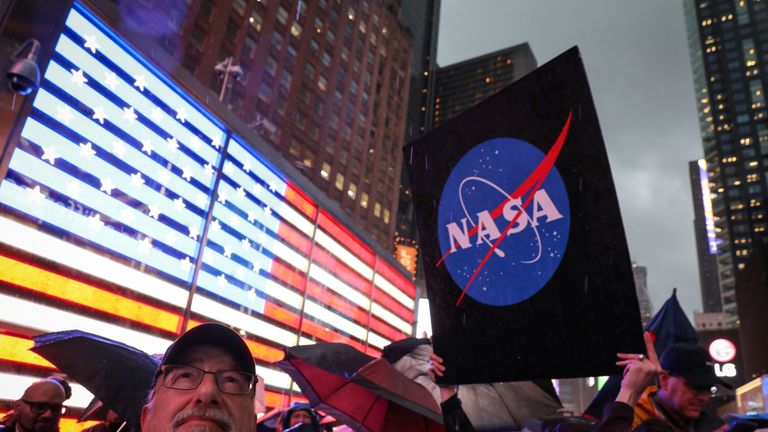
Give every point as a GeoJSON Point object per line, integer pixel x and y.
{"type": "Point", "coordinates": [251, 217]}
{"type": "Point", "coordinates": [87, 151]}
{"type": "Point", "coordinates": [227, 252]}
{"type": "Point", "coordinates": [118, 148]}
{"type": "Point", "coordinates": [246, 243]}
{"type": "Point", "coordinates": [95, 222]}
{"type": "Point", "coordinates": [246, 167]}
{"type": "Point", "coordinates": [146, 147]}
{"type": "Point", "coordinates": [193, 233]}
{"type": "Point", "coordinates": [49, 154]}
{"type": "Point", "coordinates": [129, 114]}
{"type": "Point", "coordinates": [136, 179]}
{"type": "Point", "coordinates": [181, 115]}
{"type": "Point", "coordinates": [99, 114]}
{"type": "Point", "coordinates": [64, 114]}
{"type": "Point", "coordinates": [186, 264]}
{"type": "Point", "coordinates": [140, 82]}
{"type": "Point", "coordinates": [91, 44]}
{"type": "Point", "coordinates": [179, 203]}
{"type": "Point", "coordinates": [107, 186]}
{"type": "Point", "coordinates": [222, 197]}
{"type": "Point", "coordinates": [74, 190]}
{"type": "Point", "coordinates": [78, 77]}
{"type": "Point", "coordinates": [145, 245]}
{"type": "Point", "coordinates": [163, 177]}
{"type": "Point", "coordinates": [173, 145]}
{"type": "Point", "coordinates": [241, 192]}
{"type": "Point", "coordinates": [215, 225]}
{"type": "Point", "coordinates": [110, 80]}
{"type": "Point", "coordinates": [153, 211]}
{"type": "Point", "coordinates": [35, 195]}
{"type": "Point", "coordinates": [157, 114]}
{"type": "Point", "coordinates": [186, 173]}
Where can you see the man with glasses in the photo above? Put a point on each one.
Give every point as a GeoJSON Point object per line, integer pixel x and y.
{"type": "Point", "coordinates": [205, 383]}
{"type": "Point", "coordinates": [39, 409]}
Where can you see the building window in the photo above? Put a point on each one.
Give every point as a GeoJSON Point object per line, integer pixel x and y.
{"type": "Point", "coordinates": [377, 209]}
{"type": "Point", "coordinates": [265, 92]}
{"type": "Point", "coordinates": [325, 172]}
{"type": "Point", "coordinates": [352, 191]}
{"type": "Point", "coordinates": [364, 200]}
{"type": "Point", "coordinates": [339, 181]}
{"type": "Point", "coordinates": [386, 215]}
{"type": "Point", "coordinates": [282, 15]}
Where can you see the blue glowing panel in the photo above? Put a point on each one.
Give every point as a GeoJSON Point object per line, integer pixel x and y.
{"type": "Point", "coordinates": [114, 156]}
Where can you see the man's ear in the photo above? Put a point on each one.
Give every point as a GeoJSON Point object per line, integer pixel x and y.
{"type": "Point", "coordinates": [15, 405]}
{"type": "Point", "coordinates": [144, 413]}
{"type": "Point", "coordinates": [663, 380]}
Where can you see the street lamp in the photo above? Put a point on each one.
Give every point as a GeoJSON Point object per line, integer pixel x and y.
{"type": "Point", "coordinates": [226, 70]}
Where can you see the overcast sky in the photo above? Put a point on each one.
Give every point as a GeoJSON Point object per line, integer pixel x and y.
{"type": "Point", "coordinates": [636, 56]}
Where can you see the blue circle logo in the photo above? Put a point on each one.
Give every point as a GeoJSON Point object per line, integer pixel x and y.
{"type": "Point", "coordinates": [503, 222]}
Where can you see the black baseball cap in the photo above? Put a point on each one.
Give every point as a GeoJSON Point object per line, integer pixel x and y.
{"type": "Point", "coordinates": [691, 362]}
{"type": "Point", "coordinates": [212, 334]}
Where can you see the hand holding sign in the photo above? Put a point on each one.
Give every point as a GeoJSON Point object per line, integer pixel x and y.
{"type": "Point", "coordinates": [640, 371]}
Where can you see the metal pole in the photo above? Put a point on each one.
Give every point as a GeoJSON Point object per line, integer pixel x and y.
{"type": "Point", "coordinates": [226, 79]}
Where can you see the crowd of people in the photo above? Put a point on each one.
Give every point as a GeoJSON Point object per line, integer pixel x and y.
{"type": "Point", "coordinates": [206, 382]}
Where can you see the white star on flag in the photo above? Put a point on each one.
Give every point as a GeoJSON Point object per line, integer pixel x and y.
{"type": "Point", "coordinates": [186, 173]}
{"type": "Point", "coordinates": [49, 154]}
{"type": "Point", "coordinates": [227, 252]}
{"type": "Point", "coordinates": [35, 195]}
{"type": "Point", "coordinates": [221, 280]}
{"type": "Point", "coordinates": [145, 245]}
{"type": "Point", "coordinates": [195, 143]}
{"type": "Point", "coordinates": [272, 186]}
{"type": "Point", "coordinates": [241, 192]}
{"type": "Point", "coordinates": [201, 199]}
{"type": "Point", "coordinates": [215, 225]}
{"type": "Point", "coordinates": [216, 143]}
{"type": "Point", "coordinates": [263, 238]}
{"type": "Point", "coordinates": [246, 167]}
{"type": "Point", "coordinates": [181, 115]}
{"type": "Point", "coordinates": [267, 210]}
{"type": "Point", "coordinates": [252, 294]}
{"type": "Point", "coordinates": [255, 267]}
{"type": "Point", "coordinates": [208, 170]}
{"type": "Point", "coordinates": [179, 203]}
{"type": "Point", "coordinates": [99, 114]}
{"type": "Point", "coordinates": [147, 147]}
{"type": "Point", "coordinates": [234, 221]}
{"type": "Point", "coordinates": [157, 114]}
{"type": "Point", "coordinates": [240, 273]}
{"type": "Point", "coordinates": [173, 145]}
{"type": "Point", "coordinates": [170, 239]}
{"type": "Point", "coordinates": [78, 77]}
{"type": "Point", "coordinates": [126, 216]}
{"type": "Point", "coordinates": [118, 148]}
{"type": "Point", "coordinates": [140, 82]}
{"type": "Point", "coordinates": [95, 222]}
{"type": "Point", "coordinates": [74, 190]}
{"type": "Point", "coordinates": [91, 44]}
{"type": "Point", "coordinates": [246, 243]}
{"type": "Point", "coordinates": [257, 189]}
{"type": "Point", "coordinates": [193, 233]}
{"type": "Point", "coordinates": [64, 114]}
{"type": "Point", "coordinates": [153, 211]}
{"type": "Point", "coordinates": [228, 168]}
{"type": "Point", "coordinates": [107, 186]}
{"type": "Point", "coordinates": [222, 197]}
{"type": "Point", "coordinates": [186, 264]}
{"type": "Point", "coordinates": [136, 179]}
{"type": "Point", "coordinates": [251, 217]}
{"type": "Point", "coordinates": [129, 114]}
{"type": "Point", "coordinates": [87, 151]}
{"type": "Point", "coordinates": [110, 80]}
{"type": "Point", "coordinates": [163, 177]}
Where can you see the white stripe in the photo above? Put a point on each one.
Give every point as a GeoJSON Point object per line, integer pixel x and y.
{"type": "Point", "coordinates": [391, 319]}
{"type": "Point", "coordinates": [343, 254]}
{"type": "Point", "coordinates": [14, 386]}
{"type": "Point", "coordinates": [392, 290]}
{"type": "Point", "coordinates": [320, 312]}
{"type": "Point", "coordinates": [318, 273]}
{"type": "Point", "coordinates": [377, 341]}
{"type": "Point", "coordinates": [274, 378]}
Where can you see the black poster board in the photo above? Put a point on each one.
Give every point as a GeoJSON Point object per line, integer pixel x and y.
{"type": "Point", "coordinates": [526, 263]}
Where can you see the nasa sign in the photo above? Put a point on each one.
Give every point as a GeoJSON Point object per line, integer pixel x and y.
{"type": "Point", "coordinates": [525, 258]}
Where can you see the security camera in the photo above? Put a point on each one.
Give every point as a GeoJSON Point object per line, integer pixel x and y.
{"type": "Point", "coordinates": [24, 75]}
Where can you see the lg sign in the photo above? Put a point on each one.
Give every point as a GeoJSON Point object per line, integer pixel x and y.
{"type": "Point", "coordinates": [723, 351]}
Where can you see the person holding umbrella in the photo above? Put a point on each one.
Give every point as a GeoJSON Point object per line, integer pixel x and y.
{"type": "Point", "coordinates": [39, 409]}
{"type": "Point", "coordinates": [205, 383]}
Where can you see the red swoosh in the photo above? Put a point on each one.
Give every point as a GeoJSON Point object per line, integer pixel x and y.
{"type": "Point", "coordinates": [530, 184]}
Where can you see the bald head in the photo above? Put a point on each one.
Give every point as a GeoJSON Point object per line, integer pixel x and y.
{"type": "Point", "coordinates": [39, 409]}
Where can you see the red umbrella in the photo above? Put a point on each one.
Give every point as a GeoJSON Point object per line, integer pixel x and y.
{"type": "Point", "coordinates": [363, 392]}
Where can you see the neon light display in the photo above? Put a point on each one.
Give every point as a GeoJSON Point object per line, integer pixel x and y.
{"type": "Point", "coordinates": [706, 199]}
{"type": "Point", "coordinates": [125, 181]}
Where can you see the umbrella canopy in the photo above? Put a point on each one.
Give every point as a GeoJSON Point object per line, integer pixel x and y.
{"type": "Point", "coordinates": [117, 374]}
{"type": "Point", "coordinates": [361, 391]}
{"type": "Point", "coordinates": [668, 326]}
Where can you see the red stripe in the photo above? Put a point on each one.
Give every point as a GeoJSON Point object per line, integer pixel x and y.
{"type": "Point", "coordinates": [335, 302]}
{"type": "Point", "coordinates": [340, 269]}
{"type": "Point", "coordinates": [294, 238]}
{"type": "Point", "coordinates": [396, 278]}
{"type": "Point", "coordinates": [343, 236]}
{"type": "Point", "coordinates": [287, 275]}
{"type": "Point", "coordinates": [300, 200]}
{"type": "Point", "coordinates": [392, 305]}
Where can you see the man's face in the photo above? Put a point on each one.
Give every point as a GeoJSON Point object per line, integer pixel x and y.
{"type": "Point", "coordinates": [299, 417]}
{"type": "Point", "coordinates": [679, 395]}
{"type": "Point", "coordinates": [203, 409]}
{"type": "Point", "coordinates": [39, 410]}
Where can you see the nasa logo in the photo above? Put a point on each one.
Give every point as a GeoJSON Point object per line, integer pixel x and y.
{"type": "Point", "coordinates": [502, 230]}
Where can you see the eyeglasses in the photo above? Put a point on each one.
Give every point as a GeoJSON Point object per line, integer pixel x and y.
{"type": "Point", "coordinates": [184, 377]}
{"type": "Point", "coordinates": [41, 407]}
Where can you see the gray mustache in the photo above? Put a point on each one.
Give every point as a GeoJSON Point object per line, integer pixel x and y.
{"type": "Point", "coordinates": [216, 415]}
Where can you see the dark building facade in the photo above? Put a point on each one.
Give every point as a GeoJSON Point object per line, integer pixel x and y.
{"type": "Point", "coordinates": [460, 86]}
{"type": "Point", "coordinates": [324, 82]}
{"type": "Point", "coordinates": [640, 275]}
{"type": "Point", "coordinates": [706, 239]}
{"type": "Point", "coordinates": [728, 43]}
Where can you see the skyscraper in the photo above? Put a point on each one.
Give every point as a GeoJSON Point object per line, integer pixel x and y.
{"type": "Point", "coordinates": [460, 86]}
{"type": "Point", "coordinates": [728, 43]}
{"type": "Point", "coordinates": [324, 82]}
{"type": "Point", "coordinates": [640, 275]}
{"type": "Point", "coordinates": [706, 240]}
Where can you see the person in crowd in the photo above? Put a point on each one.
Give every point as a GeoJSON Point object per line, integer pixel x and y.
{"type": "Point", "coordinates": [298, 414]}
{"type": "Point", "coordinates": [205, 382]}
{"type": "Point", "coordinates": [39, 409]}
{"type": "Point", "coordinates": [685, 380]}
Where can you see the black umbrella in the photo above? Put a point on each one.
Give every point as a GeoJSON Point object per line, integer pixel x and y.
{"type": "Point", "coordinates": [117, 374]}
